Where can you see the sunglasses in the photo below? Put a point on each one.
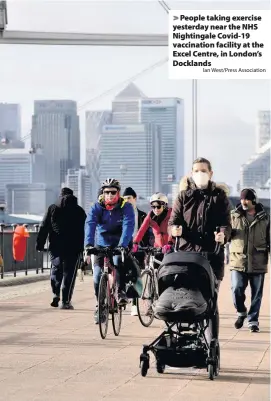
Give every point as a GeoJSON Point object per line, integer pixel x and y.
{"type": "Point", "coordinates": [158, 207]}
{"type": "Point", "coordinates": [114, 192]}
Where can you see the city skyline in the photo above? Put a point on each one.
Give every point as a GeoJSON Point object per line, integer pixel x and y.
{"type": "Point", "coordinates": [246, 132]}
{"type": "Point", "coordinates": [108, 113]}
{"type": "Point", "coordinates": [92, 76]}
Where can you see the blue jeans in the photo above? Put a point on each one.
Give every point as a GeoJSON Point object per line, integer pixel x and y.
{"type": "Point", "coordinates": [239, 283]}
{"type": "Point", "coordinates": [98, 268]}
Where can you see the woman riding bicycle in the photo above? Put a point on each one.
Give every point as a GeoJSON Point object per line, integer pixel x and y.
{"type": "Point", "coordinates": [157, 219]}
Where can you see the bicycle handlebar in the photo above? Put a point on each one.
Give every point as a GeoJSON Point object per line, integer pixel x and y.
{"type": "Point", "coordinates": [150, 250]}
{"type": "Point", "coordinates": [106, 251]}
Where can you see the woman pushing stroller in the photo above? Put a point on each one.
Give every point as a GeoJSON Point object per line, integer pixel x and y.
{"type": "Point", "coordinates": [201, 207]}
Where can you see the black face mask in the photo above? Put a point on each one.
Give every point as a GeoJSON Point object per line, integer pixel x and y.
{"type": "Point", "coordinates": [161, 217]}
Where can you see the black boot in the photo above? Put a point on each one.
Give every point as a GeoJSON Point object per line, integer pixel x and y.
{"type": "Point", "coordinates": [55, 302]}
{"type": "Point", "coordinates": [67, 305]}
{"type": "Point", "coordinates": [239, 322]}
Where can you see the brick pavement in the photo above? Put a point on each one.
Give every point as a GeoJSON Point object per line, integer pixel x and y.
{"type": "Point", "coordinates": [54, 355]}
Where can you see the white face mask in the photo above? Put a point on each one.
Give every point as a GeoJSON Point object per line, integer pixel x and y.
{"type": "Point", "coordinates": [201, 179]}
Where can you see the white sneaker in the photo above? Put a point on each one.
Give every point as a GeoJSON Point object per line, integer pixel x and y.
{"type": "Point", "coordinates": [134, 310]}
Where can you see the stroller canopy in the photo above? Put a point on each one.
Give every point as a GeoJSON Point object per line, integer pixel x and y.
{"type": "Point", "coordinates": [192, 265]}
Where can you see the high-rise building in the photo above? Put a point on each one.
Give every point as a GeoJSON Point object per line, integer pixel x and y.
{"type": "Point", "coordinates": [55, 129]}
{"type": "Point", "coordinates": [93, 167]}
{"type": "Point", "coordinates": [28, 198]}
{"type": "Point", "coordinates": [20, 166]}
{"type": "Point", "coordinates": [263, 128]}
{"type": "Point", "coordinates": [79, 181]}
{"type": "Point", "coordinates": [132, 154]}
{"type": "Point", "coordinates": [131, 106]}
{"type": "Point", "coordinates": [95, 120]}
{"type": "Point", "coordinates": [174, 191]}
{"type": "Point", "coordinates": [168, 113]}
{"type": "Point", "coordinates": [255, 173]}
{"type": "Point", "coordinates": [126, 106]}
{"type": "Point", "coordinates": [10, 122]}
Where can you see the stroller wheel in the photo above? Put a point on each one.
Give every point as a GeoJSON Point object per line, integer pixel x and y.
{"type": "Point", "coordinates": [211, 372]}
{"type": "Point", "coordinates": [213, 361]}
{"type": "Point", "coordinates": [160, 367]}
{"type": "Point", "coordinates": [144, 368]}
{"type": "Point", "coordinates": [217, 368]}
{"type": "Point", "coordinates": [144, 364]}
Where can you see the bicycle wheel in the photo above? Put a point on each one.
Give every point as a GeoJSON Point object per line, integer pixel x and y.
{"type": "Point", "coordinates": [116, 318]}
{"type": "Point", "coordinates": [103, 305]}
{"type": "Point", "coordinates": [145, 302]}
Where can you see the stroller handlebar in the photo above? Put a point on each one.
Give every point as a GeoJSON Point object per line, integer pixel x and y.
{"type": "Point", "coordinates": [217, 246]}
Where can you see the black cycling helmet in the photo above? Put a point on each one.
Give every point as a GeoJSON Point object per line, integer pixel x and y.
{"type": "Point", "coordinates": [111, 183]}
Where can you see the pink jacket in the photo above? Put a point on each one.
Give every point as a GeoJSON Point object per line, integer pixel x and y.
{"type": "Point", "coordinates": [161, 236]}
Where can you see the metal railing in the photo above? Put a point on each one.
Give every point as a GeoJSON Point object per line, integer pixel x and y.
{"type": "Point", "coordinates": [34, 261]}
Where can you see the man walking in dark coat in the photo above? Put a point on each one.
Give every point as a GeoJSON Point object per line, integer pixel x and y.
{"type": "Point", "coordinates": [64, 223]}
{"type": "Point", "coordinates": [249, 256]}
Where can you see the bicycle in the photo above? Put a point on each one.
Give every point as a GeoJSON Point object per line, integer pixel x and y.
{"type": "Point", "coordinates": [150, 286]}
{"type": "Point", "coordinates": [107, 295]}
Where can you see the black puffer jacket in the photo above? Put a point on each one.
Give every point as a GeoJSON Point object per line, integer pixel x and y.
{"type": "Point", "coordinates": [64, 222]}
{"type": "Point", "coordinates": [199, 212]}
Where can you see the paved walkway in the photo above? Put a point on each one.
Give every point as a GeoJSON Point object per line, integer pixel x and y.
{"type": "Point", "coordinates": [54, 355]}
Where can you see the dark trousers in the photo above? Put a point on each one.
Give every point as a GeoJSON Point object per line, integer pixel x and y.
{"type": "Point", "coordinates": [239, 283]}
{"type": "Point", "coordinates": [212, 331]}
{"type": "Point", "coordinates": [140, 257]}
{"type": "Point", "coordinates": [63, 272]}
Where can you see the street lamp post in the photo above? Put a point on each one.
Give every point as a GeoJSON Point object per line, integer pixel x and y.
{"type": "Point", "coordinates": [3, 15]}
{"type": "Point", "coordinates": [194, 119]}
{"type": "Point", "coordinates": [123, 171]}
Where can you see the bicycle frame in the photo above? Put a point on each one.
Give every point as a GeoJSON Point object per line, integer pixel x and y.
{"type": "Point", "coordinates": [153, 271]}
{"type": "Point", "coordinates": [110, 270]}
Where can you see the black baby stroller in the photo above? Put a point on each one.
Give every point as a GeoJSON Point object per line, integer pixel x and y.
{"type": "Point", "coordinates": [188, 305]}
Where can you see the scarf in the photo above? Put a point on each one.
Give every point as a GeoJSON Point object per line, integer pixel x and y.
{"type": "Point", "coordinates": [109, 205]}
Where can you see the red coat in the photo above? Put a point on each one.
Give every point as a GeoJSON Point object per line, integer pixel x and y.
{"type": "Point", "coordinates": [160, 233]}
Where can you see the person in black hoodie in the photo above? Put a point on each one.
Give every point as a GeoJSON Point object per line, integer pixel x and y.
{"type": "Point", "coordinates": [64, 223]}
{"type": "Point", "coordinates": [130, 196]}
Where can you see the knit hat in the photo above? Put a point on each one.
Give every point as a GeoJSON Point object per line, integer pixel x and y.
{"type": "Point", "coordinates": [248, 194]}
{"type": "Point", "coordinates": [66, 191]}
{"type": "Point", "coordinates": [129, 192]}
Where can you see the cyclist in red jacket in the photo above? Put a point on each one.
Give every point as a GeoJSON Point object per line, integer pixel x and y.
{"type": "Point", "coordinates": [157, 219]}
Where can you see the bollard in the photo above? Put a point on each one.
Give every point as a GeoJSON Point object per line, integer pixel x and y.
{"type": "Point", "coordinates": [2, 226]}
{"type": "Point", "coordinates": [47, 255]}
{"type": "Point", "coordinates": [26, 266]}
{"type": "Point", "coordinates": [37, 227]}
{"type": "Point", "coordinates": [14, 263]}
